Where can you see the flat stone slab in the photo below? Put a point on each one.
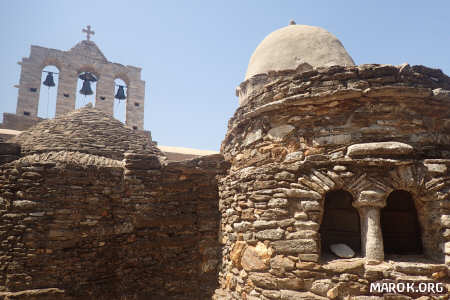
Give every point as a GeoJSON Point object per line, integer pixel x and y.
{"type": "Point", "coordinates": [342, 250]}
{"type": "Point", "coordinates": [379, 149]}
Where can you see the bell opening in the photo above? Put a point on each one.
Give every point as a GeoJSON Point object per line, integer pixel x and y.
{"type": "Point", "coordinates": [86, 89]}
{"type": "Point", "coordinates": [48, 92]}
{"type": "Point", "coordinates": [120, 99]}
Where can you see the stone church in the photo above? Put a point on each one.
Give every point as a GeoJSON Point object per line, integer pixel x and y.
{"type": "Point", "coordinates": [332, 178]}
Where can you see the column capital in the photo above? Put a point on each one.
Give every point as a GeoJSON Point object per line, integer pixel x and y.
{"type": "Point", "coordinates": [371, 198]}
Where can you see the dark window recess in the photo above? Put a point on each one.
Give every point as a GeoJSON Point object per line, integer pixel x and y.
{"type": "Point", "coordinates": [136, 104]}
{"type": "Point", "coordinates": [340, 222]}
{"type": "Point", "coordinates": [400, 225]}
{"type": "Point", "coordinates": [26, 113]}
{"type": "Point", "coordinates": [34, 90]}
{"type": "Point", "coordinates": [66, 95]}
{"type": "Point", "coordinates": [134, 127]}
{"type": "Point", "coordinates": [102, 98]}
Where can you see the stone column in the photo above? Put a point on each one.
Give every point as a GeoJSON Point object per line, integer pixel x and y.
{"type": "Point", "coordinates": [368, 205]}
{"type": "Point", "coordinates": [67, 90]}
{"type": "Point", "coordinates": [135, 104]}
{"type": "Point", "coordinates": [104, 94]}
{"type": "Point", "coordinates": [29, 88]}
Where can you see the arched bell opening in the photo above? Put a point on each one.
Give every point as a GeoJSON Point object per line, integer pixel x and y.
{"type": "Point", "coordinates": [48, 92]}
{"type": "Point", "coordinates": [400, 225]}
{"type": "Point", "coordinates": [86, 88]}
{"type": "Point", "coordinates": [120, 100]}
{"type": "Point", "coordinates": [340, 222]}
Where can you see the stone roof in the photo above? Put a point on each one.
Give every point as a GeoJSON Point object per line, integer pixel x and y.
{"type": "Point", "coordinates": [290, 46]}
{"type": "Point", "coordinates": [86, 130]}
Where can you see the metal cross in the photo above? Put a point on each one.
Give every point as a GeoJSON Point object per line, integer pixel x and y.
{"type": "Point", "coordinates": [88, 32]}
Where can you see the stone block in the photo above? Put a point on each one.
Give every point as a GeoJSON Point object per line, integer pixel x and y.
{"type": "Point", "coordinates": [264, 280]}
{"type": "Point", "coordinates": [380, 149]}
{"type": "Point", "coordinates": [295, 246]}
{"type": "Point", "coordinates": [293, 295]}
{"type": "Point", "coordinates": [270, 234]}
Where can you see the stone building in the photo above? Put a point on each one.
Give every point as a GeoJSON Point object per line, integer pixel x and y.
{"type": "Point", "coordinates": [331, 176]}
{"type": "Point", "coordinates": [325, 153]}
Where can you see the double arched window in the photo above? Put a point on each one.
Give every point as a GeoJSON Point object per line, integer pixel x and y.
{"type": "Point", "coordinates": [399, 223]}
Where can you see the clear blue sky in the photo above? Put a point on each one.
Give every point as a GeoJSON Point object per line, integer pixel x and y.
{"type": "Point", "coordinates": [194, 53]}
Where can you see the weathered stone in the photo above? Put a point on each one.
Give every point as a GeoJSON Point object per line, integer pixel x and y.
{"type": "Point", "coordinates": [306, 225]}
{"type": "Point", "coordinates": [241, 226]}
{"type": "Point", "coordinates": [290, 283]}
{"type": "Point", "coordinates": [260, 224]}
{"type": "Point", "coordinates": [271, 294]}
{"type": "Point", "coordinates": [236, 253]}
{"type": "Point", "coordinates": [436, 168]}
{"type": "Point", "coordinates": [263, 280]}
{"type": "Point", "coordinates": [24, 204]}
{"type": "Point", "coordinates": [270, 234]}
{"type": "Point", "coordinates": [354, 266]}
{"type": "Point", "coordinates": [321, 287]}
{"type": "Point", "coordinates": [252, 137]}
{"type": "Point", "coordinates": [379, 149]}
{"type": "Point", "coordinates": [293, 157]}
{"type": "Point", "coordinates": [278, 133]}
{"type": "Point", "coordinates": [295, 246]}
{"type": "Point", "coordinates": [342, 250]}
{"type": "Point", "coordinates": [281, 263]}
{"type": "Point", "coordinates": [292, 295]}
{"type": "Point", "coordinates": [414, 268]}
{"type": "Point", "coordinates": [254, 260]}
{"type": "Point", "coordinates": [302, 194]}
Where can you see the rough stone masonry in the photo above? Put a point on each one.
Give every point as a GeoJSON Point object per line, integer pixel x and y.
{"type": "Point", "coordinates": [320, 153]}
{"type": "Point", "coordinates": [324, 153]}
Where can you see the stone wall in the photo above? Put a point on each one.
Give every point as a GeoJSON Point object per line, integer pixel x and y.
{"type": "Point", "coordinates": [17, 122]}
{"type": "Point", "coordinates": [79, 226]}
{"type": "Point", "coordinates": [298, 135]}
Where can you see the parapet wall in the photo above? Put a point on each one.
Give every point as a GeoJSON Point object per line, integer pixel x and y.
{"type": "Point", "coordinates": [79, 226]}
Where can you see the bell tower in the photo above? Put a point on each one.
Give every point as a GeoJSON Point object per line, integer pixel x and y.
{"type": "Point", "coordinates": [84, 60]}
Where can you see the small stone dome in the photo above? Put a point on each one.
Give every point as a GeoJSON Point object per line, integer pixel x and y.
{"type": "Point", "coordinates": [86, 130]}
{"type": "Point", "coordinates": [290, 46]}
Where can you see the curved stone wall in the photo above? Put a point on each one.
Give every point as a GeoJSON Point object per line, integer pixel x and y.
{"type": "Point", "coordinates": [368, 130]}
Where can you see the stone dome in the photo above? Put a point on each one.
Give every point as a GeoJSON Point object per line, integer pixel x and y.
{"type": "Point", "coordinates": [292, 45]}
{"type": "Point", "coordinates": [86, 130]}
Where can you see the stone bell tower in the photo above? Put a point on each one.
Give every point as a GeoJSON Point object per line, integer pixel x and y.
{"type": "Point", "coordinates": [85, 56]}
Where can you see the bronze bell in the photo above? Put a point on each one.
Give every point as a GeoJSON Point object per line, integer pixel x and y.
{"type": "Point", "coordinates": [86, 88]}
{"type": "Point", "coordinates": [49, 80]}
{"type": "Point", "coordinates": [87, 79]}
{"type": "Point", "coordinates": [120, 93]}
{"type": "Point", "coordinates": [87, 76]}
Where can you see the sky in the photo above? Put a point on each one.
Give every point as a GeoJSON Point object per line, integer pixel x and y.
{"type": "Point", "coordinates": [194, 54]}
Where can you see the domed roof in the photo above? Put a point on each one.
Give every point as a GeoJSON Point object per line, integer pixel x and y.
{"type": "Point", "coordinates": [86, 130]}
{"type": "Point", "coordinates": [292, 45]}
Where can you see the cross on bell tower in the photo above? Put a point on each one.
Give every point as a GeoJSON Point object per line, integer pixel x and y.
{"type": "Point", "coordinates": [88, 32]}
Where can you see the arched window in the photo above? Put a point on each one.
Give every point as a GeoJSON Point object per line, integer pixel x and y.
{"type": "Point", "coordinates": [89, 85]}
{"type": "Point", "coordinates": [340, 222]}
{"type": "Point", "coordinates": [48, 94]}
{"type": "Point", "coordinates": [400, 226]}
{"type": "Point", "coordinates": [120, 105]}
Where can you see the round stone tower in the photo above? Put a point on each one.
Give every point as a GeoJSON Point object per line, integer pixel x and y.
{"type": "Point", "coordinates": [339, 173]}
